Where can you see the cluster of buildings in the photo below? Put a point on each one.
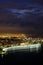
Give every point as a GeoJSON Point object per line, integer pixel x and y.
{"type": "Point", "coordinates": [20, 42]}
{"type": "Point", "coordinates": [8, 40]}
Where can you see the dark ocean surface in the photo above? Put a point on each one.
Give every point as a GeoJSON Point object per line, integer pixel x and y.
{"type": "Point", "coordinates": [23, 58]}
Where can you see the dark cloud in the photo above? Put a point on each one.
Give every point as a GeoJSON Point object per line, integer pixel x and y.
{"type": "Point", "coordinates": [21, 19]}
{"type": "Point", "coordinates": [21, 0]}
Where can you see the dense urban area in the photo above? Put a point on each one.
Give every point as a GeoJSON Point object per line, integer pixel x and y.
{"type": "Point", "coordinates": [7, 40]}
{"type": "Point", "coordinates": [10, 40]}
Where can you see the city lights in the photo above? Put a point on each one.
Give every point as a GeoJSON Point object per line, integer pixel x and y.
{"type": "Point", "coordinates": [19, 42]}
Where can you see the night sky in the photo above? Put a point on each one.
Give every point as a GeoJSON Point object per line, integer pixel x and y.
{"type": "Point", "coordinates": [25, 16]}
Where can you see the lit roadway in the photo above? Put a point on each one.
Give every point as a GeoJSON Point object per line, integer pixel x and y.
{"type": "Point", "coordinates": [30, 47]}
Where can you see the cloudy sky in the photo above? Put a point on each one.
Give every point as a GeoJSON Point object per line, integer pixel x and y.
{"type": "Point", "coordinates": [21, 16]}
